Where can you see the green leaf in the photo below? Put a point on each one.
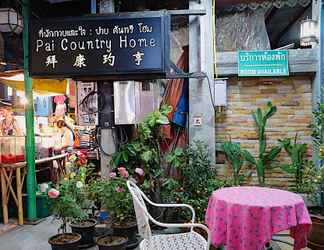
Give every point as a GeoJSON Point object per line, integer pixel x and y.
{"type": "Point", "coordinates": [272, 154]}
{"type": "Point", "coordinates": [249, 157]}
{"type": "Point", "coordinates": [288, 168]}
{"type": "Point", "coordinates": [163, 120]}
{"type": "Point", "coordinates": [146, 156]}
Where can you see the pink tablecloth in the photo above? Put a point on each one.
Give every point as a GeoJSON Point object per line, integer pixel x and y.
{"type": "Point", "coordinates": [245, 218]}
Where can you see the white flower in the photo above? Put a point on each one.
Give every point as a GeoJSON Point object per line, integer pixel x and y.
{"type": "Point", "coordinates": [79, 184]}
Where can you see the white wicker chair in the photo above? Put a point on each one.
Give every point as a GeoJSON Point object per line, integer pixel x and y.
{"type": "Point", "coordinates": [181, 241]}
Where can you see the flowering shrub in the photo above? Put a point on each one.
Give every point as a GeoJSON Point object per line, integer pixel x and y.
{"type": "Point", "coordinates": [114, 195]}
{"type": "Point", "coordinates": [66, 202]}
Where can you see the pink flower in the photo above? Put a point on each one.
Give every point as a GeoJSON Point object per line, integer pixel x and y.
{"type": "Point", "coordinates": [120, 190]}
{"type": "Point", "coordinates": [53, 193]}
{"type": "Point", "coordinates": [123, 172]}
{"type": "Point", "coordinates": [112, 174]}
{"type": "Point", "coordinates": [139, 171]}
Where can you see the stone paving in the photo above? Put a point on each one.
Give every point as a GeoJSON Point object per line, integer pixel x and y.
{"type": "Point", "coordinates": [35, 237]}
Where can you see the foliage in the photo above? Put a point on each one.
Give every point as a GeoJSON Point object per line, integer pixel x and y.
{"type": "Point", "coordinates": [177, 158]}
{"type": "Point", "coordinates": [318, 127]}
{"type": "Point", "coordinates": [67, 206]}
{"type": "Point", "coordinates": [296, 152]}
{"type": "Point", "coordinates": [197, 183]}
{"type": "Point", "coordinates": [318, 138]}
{"type": "Point", "coordinates": [144, 151]}
{"type": "Point", "coordinates": [115, 197]}
{"type": "Point", "coordinates": [312, 177]}
{"type": "Point", "coordinates": [234, 155]}
{"type": "Point", "coordinates": [265, 157]}
{"type": "Point", "coordinates": [69, 201]}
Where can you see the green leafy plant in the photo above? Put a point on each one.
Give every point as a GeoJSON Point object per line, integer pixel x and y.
{"type": "Point", "coordinates": [318, 138]}
{"type": "Point", "coordinates": [144, 152]}
{"type": "Point", "coordinates": [66, 202]}
{"type": "Point", "coordinates": [198, 179]}
{"type": "Point", "coordinates": [297, 153]}
{"type": "Point", "coordinates": [235, 156]}
{"type": "Point", "coordinates": [115, 196]}
{"type": "Point", "coordinates": [265, 158]}
{"type": "Point", "coordinates": [69, 199]}
{"type": "Point", "coordinates": [176, 158]}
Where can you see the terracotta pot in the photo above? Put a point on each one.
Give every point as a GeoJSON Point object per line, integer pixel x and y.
{"type": "Point", "coordinates": [87, 231]}
{"type": "Point", "coordinates": [111, 243]}
{"type": "Point", "coordinates": [316, 237]}
{"type": "Point", "coordinates": [66, 241]}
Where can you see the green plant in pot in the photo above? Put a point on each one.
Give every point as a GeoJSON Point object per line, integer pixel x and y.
{"type": "Point", "coordinates": [117, 200]}
{"type": "Point", "coordinates": [65, 208]}
{"type": "Point", "coordinates": [235, 157]}
{"type": "Point", "coordinates": [265, 157]}
{"type": "Point", "coordinates": [80, 172]}
{"type": "Point", "coordinates": [144, 152]}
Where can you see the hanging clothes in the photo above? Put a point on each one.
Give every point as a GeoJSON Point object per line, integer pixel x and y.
{"type": "Point", "coordinates": [60, 108]}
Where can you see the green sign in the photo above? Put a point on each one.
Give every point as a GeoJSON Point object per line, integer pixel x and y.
{"type": "Point", "coordinates": [263, 63]}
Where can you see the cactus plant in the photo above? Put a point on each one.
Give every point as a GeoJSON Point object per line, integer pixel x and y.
{"type": "Point", "coordinates": [265, 158]}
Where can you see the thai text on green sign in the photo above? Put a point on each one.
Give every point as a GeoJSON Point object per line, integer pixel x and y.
{"type": "Point", "coordinates": [263, 63]}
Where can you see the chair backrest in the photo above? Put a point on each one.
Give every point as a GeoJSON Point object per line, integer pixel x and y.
{"type": "Point", "coordinates": [142, 215]}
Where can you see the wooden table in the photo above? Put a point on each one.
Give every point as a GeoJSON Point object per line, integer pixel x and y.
{"type": "Point", "coordinates": [19, 170]}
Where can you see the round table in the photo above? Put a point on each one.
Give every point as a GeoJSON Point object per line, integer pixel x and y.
{"type": "Point", "coordinates": [245, 218]}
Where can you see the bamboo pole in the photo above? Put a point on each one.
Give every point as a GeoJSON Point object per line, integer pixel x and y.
{"type": "Point", "coordinates": [29, 118]}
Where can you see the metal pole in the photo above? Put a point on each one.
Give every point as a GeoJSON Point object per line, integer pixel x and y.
{"type": "Point", "coordinates": [321, 71]}
{"type": "Point", "coordinates": [29, 118]}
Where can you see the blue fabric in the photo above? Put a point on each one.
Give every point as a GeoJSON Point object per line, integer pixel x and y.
{"type": "Point", "coordinates": [43, 106]}
{"type": "Point", "coordinates": [182, 109]}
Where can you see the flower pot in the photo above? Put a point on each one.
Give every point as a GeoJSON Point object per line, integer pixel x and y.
{"type": "Point", "coordinates": [316, 239]}
{"type": "Point", "coordinates": [66, 241]}
{"type": "Point", "coordinates": [127, 230]}
{"type": "Point", "coordinates": [87, 231]}
{"type": "Point", "coordinates": [111, 243]}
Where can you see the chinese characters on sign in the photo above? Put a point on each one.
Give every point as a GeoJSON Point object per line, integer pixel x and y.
{"type": "Point", "coordinates": [100, 45]}
{"type": "Point", "coordinates": [263, 63]}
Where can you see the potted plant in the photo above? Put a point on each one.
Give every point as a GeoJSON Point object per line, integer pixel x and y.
{"type": "Point", "coordinates": [65, 208]}
{"type": "Point", "coordinates": [80, 172]}
{"type": "Point", "coordinates": [144, 152]}
{"type": "Point", "coordinates": [117, 200]}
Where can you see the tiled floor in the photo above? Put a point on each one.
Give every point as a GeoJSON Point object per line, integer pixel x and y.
{"type": "Point", "coordinates": [35, 237]}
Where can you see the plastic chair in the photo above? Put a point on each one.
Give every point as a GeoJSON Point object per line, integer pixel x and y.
{"type": "Point", "coordinates": [181, 241]}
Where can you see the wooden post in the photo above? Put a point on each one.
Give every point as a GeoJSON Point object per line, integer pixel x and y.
{"type": "Point", "coordinates": [4, 197]}
{"type": "Point", "coordinates": [201, 59]}
{"type": "Point", "coordinates": [19, 197]}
